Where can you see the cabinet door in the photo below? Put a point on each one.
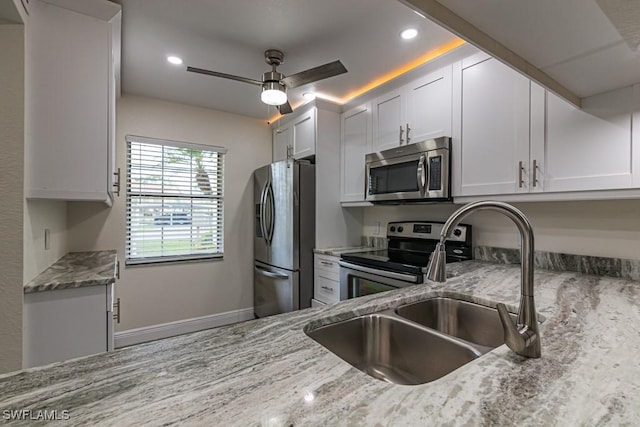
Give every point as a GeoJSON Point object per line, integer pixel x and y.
{"type": "Point", "coordinates": [356, 141]}
{"type": "Point", "coordinates": [388, 121]}
{"type": "Point", "coordinates": [589, 149]}
{"type": "Point", "coordinates": [429, 106]}
{"type": "Point", "coordinates": [304, 135]}
{"type": "Point", "coordinates": [64, 324]}
{"type": "Point", "coordinates": [495, 129]}
{"type": "Point", "coordinates": [68, 75]}
{"type": "Point", "coordinates": [281, 143]}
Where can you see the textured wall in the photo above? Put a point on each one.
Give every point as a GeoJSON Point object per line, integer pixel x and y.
{"type": "Point", "coordinates": [158, 294]}
{"type": "Point", "coordinates": [11, 194]}
{"type": "Point", "coordinates": [38, 216]}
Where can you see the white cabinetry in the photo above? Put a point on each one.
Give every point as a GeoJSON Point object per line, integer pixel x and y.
{"type": "Point", "coordinates": [313, 132]}
{"type": "Point", "coordinates": [417, 111]}
{"type": "Point", "coordinates": [326, 279]}
{"type": "Point", "coordinates": [429, 106]}
{"type": "Point", "coordinates": [295, 136]}
{"type": "Point", "coordinates": [71, 61]}
{"type": "Point", "coordinates": [388, 120]}
{"type": "Point", "coordinates": [67, 323]}
{"type": "Point", "coordinates": [494, 133]}
{"type": "Point", "coordinates": [355, 144]}
{"type": "Point", "coordinates": [589, 149]}
{"type": "Point", "coordinates": [281, 143]}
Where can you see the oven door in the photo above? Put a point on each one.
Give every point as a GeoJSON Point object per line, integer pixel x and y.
{"type": "Point", "coordinates": [357, 280]}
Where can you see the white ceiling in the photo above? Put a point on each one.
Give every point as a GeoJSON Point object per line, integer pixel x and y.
{"type": "Point", "coordinates": [231, 36]}
{"type": "Point", "coordinates": [573, 41]}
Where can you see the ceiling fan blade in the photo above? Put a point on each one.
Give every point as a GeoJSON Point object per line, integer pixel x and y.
{"type": "Point", "coordinates": [224, 76]}
{"type": "Point", "coordinates": [314, 74]}
{"type": "Point", "coordinates": [285, 108]}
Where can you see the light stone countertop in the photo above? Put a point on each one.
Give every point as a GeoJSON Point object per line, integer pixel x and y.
{"type": "Point", "coordinates": [257, 373]}
{"type": "Point", "coordinates": [76, 270]}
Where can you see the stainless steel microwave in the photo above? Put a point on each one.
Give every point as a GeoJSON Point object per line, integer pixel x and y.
{"type": "Point", "coordinates": [419, 172]}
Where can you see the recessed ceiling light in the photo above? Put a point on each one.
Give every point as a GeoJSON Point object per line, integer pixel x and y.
{"type": "Point", "coordinates": [174, 60]}
{"type": "Point", "coordinates": [409, 33]}
{"type": "Point", "coordinates": [309, 96]}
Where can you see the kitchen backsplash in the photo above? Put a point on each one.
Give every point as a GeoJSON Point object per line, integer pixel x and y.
{"type": "Point", "coordinates": [373, 242]}
{"type": "Point", "coordinates": [599, 266]}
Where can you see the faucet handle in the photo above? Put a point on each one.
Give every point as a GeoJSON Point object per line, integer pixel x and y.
{"type": "Point", "coordinates": [517, 340]}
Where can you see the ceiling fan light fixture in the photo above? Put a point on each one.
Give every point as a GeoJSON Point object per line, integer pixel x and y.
{"type": "Point", "coordinates": [273, 93]}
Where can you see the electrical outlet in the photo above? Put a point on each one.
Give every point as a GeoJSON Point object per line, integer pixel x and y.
{"type": "Point", "coordinates": [47, 239]}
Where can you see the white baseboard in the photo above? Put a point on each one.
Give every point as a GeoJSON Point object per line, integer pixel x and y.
{"type": "Point", "coordinates": [179, 327]}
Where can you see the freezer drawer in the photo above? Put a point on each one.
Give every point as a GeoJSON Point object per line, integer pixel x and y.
{"type": "Point", "coordinates": [275, 290]}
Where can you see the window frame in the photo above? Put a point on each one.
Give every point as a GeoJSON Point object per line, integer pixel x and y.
{"type": "Point", "coordinates": [165, 259]}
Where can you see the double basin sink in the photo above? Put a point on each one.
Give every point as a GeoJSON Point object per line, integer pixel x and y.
{"type": "Point", "coordinates": [415, 343]}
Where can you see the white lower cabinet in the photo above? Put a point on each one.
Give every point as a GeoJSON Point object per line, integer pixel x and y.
{"type": "Point", "coordinates": [326, 279]}
{"type": "Point", "coordinates": [67, 323]}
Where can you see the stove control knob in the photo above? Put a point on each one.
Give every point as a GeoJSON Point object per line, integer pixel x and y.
{"type": "Point", "coordinates": [400, 229]}
{"type": "Point", "coordinates": [457, 232]}
{"type": "Point", "coordinates": [392, 229]}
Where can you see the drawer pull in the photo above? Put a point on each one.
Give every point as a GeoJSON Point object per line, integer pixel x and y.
{"type": "Point", "coordinates": [326, 263]}
{"type": "Point", "coordinates": [326, 288]}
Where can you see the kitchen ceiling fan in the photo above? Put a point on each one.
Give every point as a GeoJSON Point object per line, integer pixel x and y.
{"type": "Point", "coordinates": [275, 84]}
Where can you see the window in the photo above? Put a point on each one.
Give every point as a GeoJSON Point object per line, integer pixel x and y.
{"type": "Point", "coordinates": [174, 201]}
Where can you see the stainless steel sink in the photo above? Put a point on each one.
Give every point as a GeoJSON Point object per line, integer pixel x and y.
{"type": "Point", "coordinates": [392, 349]}
{"type": "Point", "coordinates": [477, 324]}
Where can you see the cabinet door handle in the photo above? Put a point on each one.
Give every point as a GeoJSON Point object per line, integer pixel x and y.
{"type": "Point", "coordinates": [408, 130]}
{"type": "Point", "coordinates": [535, 172]}
{"type": "Point", "coordinates": [326, 263]}
{"type": "Point", "coordinates": [520, 172]}
{"type": "Point", "coordinates": [116, 184]}
{"type": "Point", "coordinates": [116, 315]}
{"type": "Point", "coordinates": [401, 132]}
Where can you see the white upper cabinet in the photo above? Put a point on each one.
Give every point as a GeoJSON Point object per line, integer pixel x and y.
{"type": "Point", "coordinates": [494, 129]}
{"type": "Point", "coordinates": [389, 121]}
{"type": "Point", "coordinates": [429, 106]}
{"type": "Point", "coordinates": [71, 61]}
{"type": "Point", "coordinates": [356, 143]}
{"type": "Point", "coordinates": [295, 136]}
{"type": "Point", "coordinates": [417, 111]}
{"type": "Point", "coordinates": [304, 135]}
{"type": "Point", "coordinates": [589, 149]}
{"type": "Point", "coordinates": [282, 138]}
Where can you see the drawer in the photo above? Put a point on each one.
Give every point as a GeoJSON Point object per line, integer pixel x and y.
{"type": "Point", "coordinates": [327, 263]}
{"type": "Point", "coordinates": [326, 290]}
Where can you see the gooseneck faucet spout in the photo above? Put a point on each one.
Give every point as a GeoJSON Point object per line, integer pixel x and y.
{"type": "Point", "coordinates": [523, 338]}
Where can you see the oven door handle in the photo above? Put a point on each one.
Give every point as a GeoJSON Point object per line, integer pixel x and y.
{"type": "Point", "coordinates": [389, 274]}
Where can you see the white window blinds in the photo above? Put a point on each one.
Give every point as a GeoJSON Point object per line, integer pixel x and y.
{"type": "Point", "coordinates": [174, 201]}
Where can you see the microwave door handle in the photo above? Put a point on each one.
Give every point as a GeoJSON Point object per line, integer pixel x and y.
{"type": "Point", "coordinates": [422, 173]}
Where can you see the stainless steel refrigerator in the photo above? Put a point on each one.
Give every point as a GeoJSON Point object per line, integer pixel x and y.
{"type": "Point", "coordinates": [284, 237]}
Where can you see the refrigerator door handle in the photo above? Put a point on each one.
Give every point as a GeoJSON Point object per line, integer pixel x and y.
{"type": "Point", "coordinates": [270, 274]}
{"type": "Point", "coordinates": [263, 227]}
{"type": "Point", "coordinates": [272, 209]}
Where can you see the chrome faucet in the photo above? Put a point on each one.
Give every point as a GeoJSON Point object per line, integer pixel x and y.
{"type": "Point", "coordinates": [523, 338]}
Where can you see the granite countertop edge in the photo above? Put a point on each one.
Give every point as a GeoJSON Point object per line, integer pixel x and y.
{"type": "Point", "coordinates": [269, 372]}
{"type": "Point", "coordinates": [77, 270]}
